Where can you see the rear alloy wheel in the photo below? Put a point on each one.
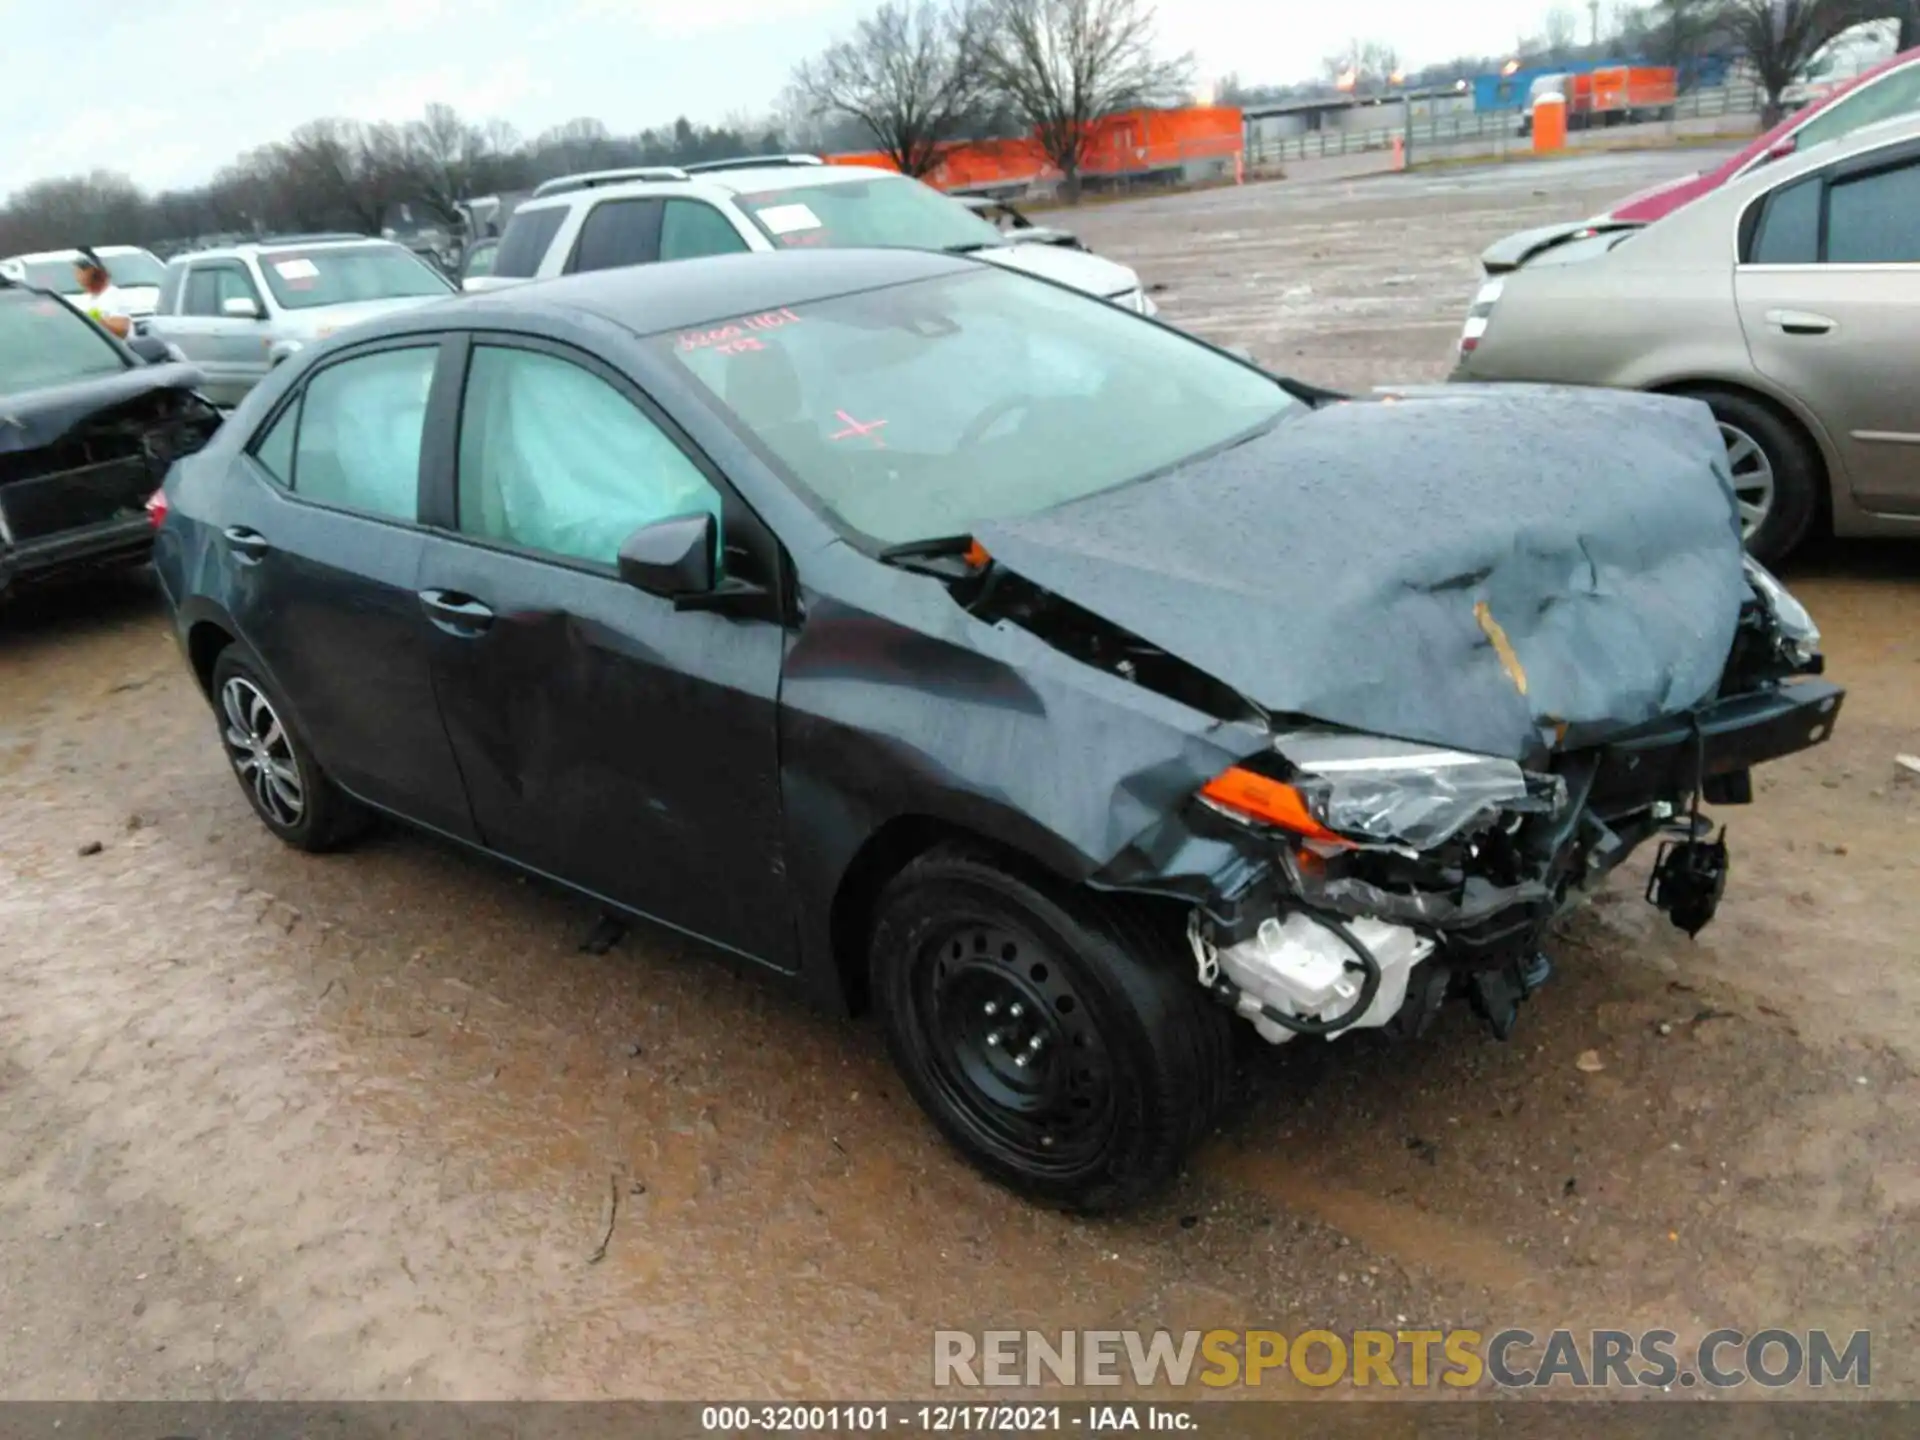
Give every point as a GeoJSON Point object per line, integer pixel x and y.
{"type": "Point", "coordinates": [1059, 1043]}
{"type": "Point", "coordinates": [1775, 471]}
{"type": "Point", "coordinates": [283, 782]}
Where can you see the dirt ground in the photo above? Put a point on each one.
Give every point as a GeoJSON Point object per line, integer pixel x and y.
{"type": "Point", "coordinates": [351, 1127]}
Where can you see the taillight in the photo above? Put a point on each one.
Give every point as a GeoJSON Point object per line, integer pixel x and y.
{"type": "Point", "coordinates": [1479, 314]}
{"type": "Point", "coordinates": [157, 509]}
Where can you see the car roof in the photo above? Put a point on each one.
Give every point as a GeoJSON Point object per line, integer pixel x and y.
{"type": "Point", "coordinates": [647, 299]}
{"type": "Point", "coordinates": [744, 180]}
{"type": "Point", "coordinates": [305, 244]}
{"type": "Point", "coordinates": [41, 256]}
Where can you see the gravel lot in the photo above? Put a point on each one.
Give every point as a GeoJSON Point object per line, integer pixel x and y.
{"type": "Point", "coordinates": [354, 1126]}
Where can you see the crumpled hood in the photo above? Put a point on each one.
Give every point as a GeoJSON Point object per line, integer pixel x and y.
{"type": "Point", "coordinates": [1488, 568]}
{"type": "Point", "coordinates": [1081, 269]}
{"type": "Point", "coordinates": [32, 419]}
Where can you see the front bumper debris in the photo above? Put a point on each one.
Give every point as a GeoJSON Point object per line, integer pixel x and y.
{"type": "Point", "coordinates": [1376, 936]}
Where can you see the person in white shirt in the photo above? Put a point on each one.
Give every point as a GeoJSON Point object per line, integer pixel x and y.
{"type": "Point", "coordinates": [100, 298]}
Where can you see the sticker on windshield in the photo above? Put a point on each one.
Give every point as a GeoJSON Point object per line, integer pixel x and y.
{"type": "Point", "coordinates": [297, 269]}
{"type": "Point", "coordinates": [785, 219]}
{"type": "Point", "coordinates": [735, 336]}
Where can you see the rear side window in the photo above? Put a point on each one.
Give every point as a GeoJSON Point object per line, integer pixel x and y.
{"type": "Point", "coordinates": [1789, 232]}
{"type": "Point", "coordinates": [1870, 218]}
{"type": "Point", "coordinates": [1875, 220]}
{"type": "Point", "coordinates": [617, 233]}
{"type": "Point", "coordinates": [358, 443]}
{"type": "Point", "coordinates": [524, 245]}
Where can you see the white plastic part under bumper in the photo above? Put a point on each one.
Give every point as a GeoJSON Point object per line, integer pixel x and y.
{"type": "Point", "coordinates": [1307, 969]}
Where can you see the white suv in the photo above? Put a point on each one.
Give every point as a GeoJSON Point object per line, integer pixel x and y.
{"type": "Point", "coordinates": [611, 218]}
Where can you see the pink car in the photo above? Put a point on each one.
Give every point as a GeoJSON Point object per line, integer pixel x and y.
{"type": "Point", "coordinates": [1889, 89]}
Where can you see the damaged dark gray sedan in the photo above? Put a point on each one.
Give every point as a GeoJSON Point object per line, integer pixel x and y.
{"type": "Point", "coordinates": [1068, 691]}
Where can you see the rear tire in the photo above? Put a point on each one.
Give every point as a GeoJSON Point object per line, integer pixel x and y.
{"type": "Point", "coordinates": [1057, 1040]}
{"type": "Point", "coordinates": [288, 790]}
{"type": "Point", "coordinates": [1770, 455]}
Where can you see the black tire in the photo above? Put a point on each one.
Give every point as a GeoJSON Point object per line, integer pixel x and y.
{"type": "Point", "coordinates": [308, 811]}
{"type": "Point", "coordinates": [1128, 1059]}
{"type": "Point", "coordinates": [1795, 464]}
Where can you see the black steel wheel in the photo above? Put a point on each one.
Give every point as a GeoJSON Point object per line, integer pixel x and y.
{"type": "Point", "coordinates": [283, 782]}
{"type": "Point", "coordinates": [1058, 1041]}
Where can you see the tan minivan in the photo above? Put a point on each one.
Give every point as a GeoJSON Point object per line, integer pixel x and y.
{"type": "Point", "coordinates": [1788, 301]}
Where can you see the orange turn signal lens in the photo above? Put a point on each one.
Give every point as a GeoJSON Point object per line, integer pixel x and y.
{"type": "Point", "coordinates": [1246, 793]}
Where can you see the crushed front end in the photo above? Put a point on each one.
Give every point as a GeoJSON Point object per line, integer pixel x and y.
{"type": "Point", "coordinates": [1393, 875]}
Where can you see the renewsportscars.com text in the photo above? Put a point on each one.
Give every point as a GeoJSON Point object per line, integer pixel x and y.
{"type": "Point", "coordinates": [1416, 1359]}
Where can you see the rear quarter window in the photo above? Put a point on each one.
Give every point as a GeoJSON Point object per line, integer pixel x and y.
{"type": "Point", "coordinates": [1788, 229]}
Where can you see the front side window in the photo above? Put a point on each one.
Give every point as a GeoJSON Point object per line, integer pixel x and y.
{"type": "Point", "coordinates": [921, 410]}
{"type": "Point", "coordinates": [885, 211]}
{"type": "Point", "coordinates": [555, 459]}
{"type": "Point", "coordinates": [209, 287]}
{"type": "Point", "coordinates": [1894, 94]}
{"type": "Point", "coordinates": [358, 444]}
{"type": "Point", "coordinates": [479, 261]}
{"type": "Point", "coordinates": [343, 275]}
{"type": "Point", "coordinates": [691, 228]}
{"type": "Point", "coordinates": [617, 233]}
{"type": "Point", "coordinates": [44, 342]}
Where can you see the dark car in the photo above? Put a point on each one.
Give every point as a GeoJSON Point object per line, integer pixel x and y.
{"type": "Point", "coordinates": [88, 427]}
{"type": "Point", "coordinates": [954, 644]}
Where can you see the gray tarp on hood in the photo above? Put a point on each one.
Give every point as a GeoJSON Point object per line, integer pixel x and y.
{"type": "Point", "coordinates": [33, 419]}
{"type": "Point", "coordinates": [1366, 564]}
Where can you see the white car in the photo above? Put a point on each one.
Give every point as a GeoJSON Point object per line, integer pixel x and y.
{"type": "Point", "coordinates": [237, 312]}
{"type": "Point", "coordinates": [611, 218]}
{"type": "Point", "coordinates": [135, 274]}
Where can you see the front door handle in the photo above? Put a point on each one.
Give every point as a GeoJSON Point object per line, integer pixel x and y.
{"type": "Point", "coordinates": [250, 546]}
{"type": "Point", "coordinates": [1800, 322]}
{"type": "Point", "coordinates": [455, 613]}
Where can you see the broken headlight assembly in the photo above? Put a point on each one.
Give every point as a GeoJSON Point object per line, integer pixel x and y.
{"type": "Point", "coordinates": [1432, 831]}
{"type": "Point", "coordinates": [1344, 789]}
{"type": "Point", "coordinates": [1798, 638]}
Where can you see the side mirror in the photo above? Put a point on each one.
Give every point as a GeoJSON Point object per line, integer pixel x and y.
{"type": "Point", "coordinates": [240, 307]}
{"type": "Point", "coordinates": [1783, 147]}
{"type": "Point", "coordinates": [150, 348]}
{"type": "Point", "coordinates": [672, 557]}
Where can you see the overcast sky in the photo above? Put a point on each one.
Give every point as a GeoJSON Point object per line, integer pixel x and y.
{"type": "Point", "coordinates": [169, 90]}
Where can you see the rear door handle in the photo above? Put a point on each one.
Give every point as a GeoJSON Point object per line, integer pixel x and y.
{"type": "Point", "coordinates": [455, 613]}
{"type": "Point", "coordinates": [1799, 322]}
{"type": "Point", "coordinates": [249, 545]}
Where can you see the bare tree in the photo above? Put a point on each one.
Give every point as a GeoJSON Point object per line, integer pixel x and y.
{"type": "Point", "coordinates": [1362, 66]}
{"type": "Point", "coordinates": [1562, 34]}
{"type": "Point", "coordinates": [1062, 64]}
{"type": "Point", "coordinates": [1778, 38]}
{"type": "Point", "coordinates": [908, 74]}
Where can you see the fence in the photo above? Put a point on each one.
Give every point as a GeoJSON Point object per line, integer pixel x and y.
{"type": "Point", "coordinates": [1497, 130]}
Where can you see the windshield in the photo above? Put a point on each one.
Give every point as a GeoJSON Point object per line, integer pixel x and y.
{"type": "Point", "coordinates": [887, 211]}
{"type": "Point", "coordinates": [44, 343]}
{"type": "Point", "coordinates": [342, 275]}
{"type": "Point", "coordinates": [133, 267]}
{"type": "Point", "coordinates": [919, 411]}
{"type": "Point", "coordinates": [54, 275]}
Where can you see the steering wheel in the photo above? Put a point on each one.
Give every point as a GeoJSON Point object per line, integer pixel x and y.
{"type": "Point", "coordinates": [983, 422]}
